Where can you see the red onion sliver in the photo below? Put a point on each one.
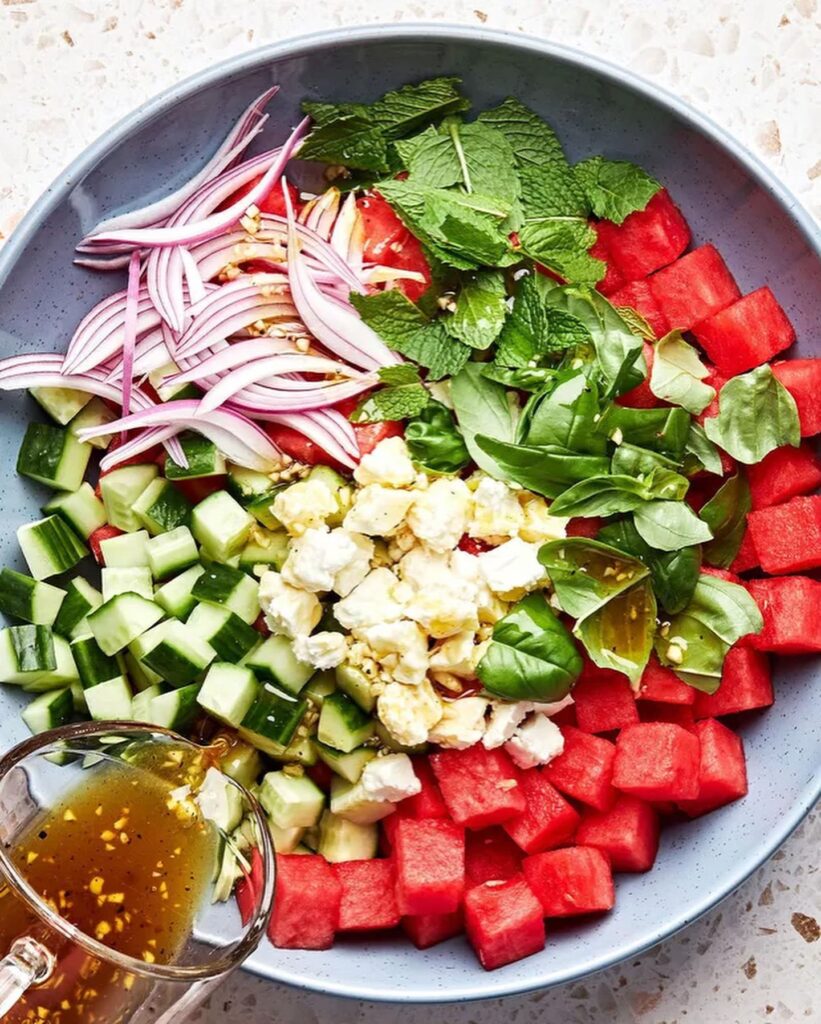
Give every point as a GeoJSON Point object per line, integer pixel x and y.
{"type": "Point", "coordinates": [130, 329]}
{"type": "Point", "coordinates": [317, 431]}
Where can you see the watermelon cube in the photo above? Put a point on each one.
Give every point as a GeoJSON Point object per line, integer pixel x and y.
{"type": "Point", "coordinates": [250, 886]}
{"type": "Point", "coordinates": [746, 684]}
{"type": "Point", "coordinates": [603, 700]}
{"type": "Point", "coordinates": [784, 474]}
{"type": "Point", "coordinates": [628, 832]}
{"type": "Point", "coordinates": [306, 904]}
{"type": "Point", "coordinates": [430, 866]}
{"type": "Point", "coordinates": [788, 537]}
{"type": "Point", "coordinates": [641, 397]}
{"type": "Point", "coordinates": [802, 378]}
{"type": "Point", "coordinates": [368, 900]}
{"type": "Point", "coordinates": [504, 922]}
{"type": "Point", "coordinates": [638, 295]}
{"type": "Point", "coordinates": [694, 287]}
{"type": "Point", "coordinates": [584, 526]}
{"type": "Point", "coordinates": [661, 711]}
{"type": "Point", "coordinates": [584, 769]}
{"type": "Point", "coordinates": [480, 787]}
{"type": "Point", "coordinates": [491, 856]}
{"type": "Point", "coordinates": [612, 276]}
{"type": "Point", "coordinates": [428, 802]}
{"type": "Point", "coordinates": [426, 930]}
{"type": "Point", "coordinates": [747, 556]}
{"type": "Point", "coordinates": [647, 239]}
{"type": "Point", "coordinates": [657, 761]}
{"type": "Point", "coordinates": [746, 333]}
{"type": "Point", "coordinates": [722, 773]}
{"type": "Point", "coordinates": [791, 608]}
{"type": "Point", "coordinates": [548, 820]}
{"type": "Point", "coordinates": [577, 880]}
{"type": "Point", "coordinates": [662, 684]}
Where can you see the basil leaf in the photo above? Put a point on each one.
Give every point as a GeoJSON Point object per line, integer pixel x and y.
{"type": "Point", "coordinates": [531, 656]}
{"type": "Point", "coordinates": [702, 448]}
{"type": "Point", "coordinates": [678, 373]}
{"type": "Point", "coordinates": [544, 470]}
{"type": "Point", "coordinates": [634, 461]}
{"type": "Point", "coordinates": [534, 329]}
{"type": "Point", "coordinates": [434, 441]}
{"type": "Point", "coordinates": [670, 525]}
{"type": "Point", "coordinates": [403, 396]}
{"type": "Point", "coordinates": [726, 515]}
{"type": "Point", "coordinates": [756, 415]}
{"type": "Point", "coordinates": [586, 574]}
{"type": "Point", "coordinates": [619, 635]}
{"type": "Point", "coordinates": [607, 495]}
{"type": "Point", "coordinates": [481, 309]}
{"type": "Point", "coordinates": [482, 406]}
{"type": "Point", "coordinates": [696, 641]}
{"type": "Point", "coordinates": [660, 430]}
{"type": "Point", "coordinates": [565, 417]}
{"type": "Point", "coordinates": [615, 188]}
{"type": "Point", "coordinates": [524, 378]}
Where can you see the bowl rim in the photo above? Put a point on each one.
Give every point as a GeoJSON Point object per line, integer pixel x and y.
{"type": "Point", "coordinates": [486, 986]}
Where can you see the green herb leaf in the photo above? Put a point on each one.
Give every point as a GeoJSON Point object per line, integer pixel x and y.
{"type": "Point", "coordinates": [561, 244]}
{"type": "Point", "coordinates": [481, 309]}
{"type": "Point", "coordinates": [544, 470]}
{"type": "Point", "coordinates": [531, 656]}
{"type": "Point", "coordinates": [565, 417]}
{"type": "Point", "coordinates": [726, 515]}
{"type": "Point", "coordinates": [523, 378]}
{"type": "Point", "coordinates": [700, 447]}
{"type": "Point", "coordinates": [615, 188]}
{"type": "Point", "coordinates": [487, 160]}
{"type": "Point", "coordinates": [482, 406]}
{"type": "Point", "coordinates": [434, 441]}
{"type": "Point", "coordinates": [404, 396]}
{"type": "Point", "coordinates": [678, 373]}
{"type": "Point", "coordinates": [619, 635]}
{"type": "Point", "coordinates": [630, 460]}
{"type": "Point", "coordinates": [431, 158]}
{"type": "Point", "coordinates": [607, 495]}
{"type": "Point", "coordinates": [534, 329]}
{"type": "Point", "coordinates": [586, 574]}
{"type": "Point", "coordinates": [659, 430]}
{"type": "Point", "coordinates": [636, 322]}
{"type": "Point", "coordinates": [756, 415]}
{"type": "Point", "coordinates": [670, 525]}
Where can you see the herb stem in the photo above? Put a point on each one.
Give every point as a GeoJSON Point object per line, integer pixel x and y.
{"type": "Point", "coordinates": [453, 129]}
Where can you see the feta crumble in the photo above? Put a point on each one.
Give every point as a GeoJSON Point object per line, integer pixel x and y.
{"type": "Point", "coordinates": [390, 778]}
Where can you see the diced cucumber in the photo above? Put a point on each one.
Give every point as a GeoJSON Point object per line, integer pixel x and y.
{"type": "Point", "coordinates": [176, 709]}
{"type": "Point", "coordinates": [167, 391]}
{"type": "Point", "coordinates": [29, 599]}
{"type": "Point", "coordinates": [49, 711]}
{"type": "Point", "coordinates": [125, 551]}
{"type": "Point", "coordinates": [220, 801]}
{"type": "Point", "coordinates": [255, 492]}
{"type": "Point", "coordinates": [230, 637]}
{"type": "Point", "coordinates": [242, 762]}
{"type": "Point", "coordinates": [122, 619]}
{"type": "Point", "coordinates": [320, 686]}
{"type": "Point", "coordinates": [62, 404]}
{"type": "Point", "coordinates": [301, 850]}
{"type": "Point", "coordinates": [343, 725]}
{"type": "Point", "coordinates": [141, 702]}
{"type": "Point", "coordinates": [350, 801]}
{"type": "Point", "coordinates": [176, 596]}
{"type": "Point", "coordinates": [111, 699]}
{"type": "Point", "coordinates": [25, 650]}
{"type": "Point", "coordinates": [266, 548]}
{"type": "Point", "coordinates": [274, 659]}
{"type": "Point", "coordinates": [223, 585]}
{"type": "Point", "coordinates": [81, 598]}
{"type": "Point", "coordinates": [136, 580]}
{"type": "Point", "coordinates": [50, 547]}
{"type": "Point", "coordinates": [63, 674]}
{"type": "Point", "coordinates": [141, 674]}
{"type": "Point", "coordinates": [142, 678]}
{"type": "Point", "coordinates": [120, 489]}
{"type": "Point", "coordinates": [228, 692]}
{"type": "Point", "coordinates": [203, 459]}
{"type": "Point", "coordinates": [356, 685]}
{"type": "Point", "coordinates": [78, 698]}
{"type": "Point", "coordinates": [93, 665]}
{"type": "Point", "coordinates": [273, 718]}
{"type": "Point", "coordinates": [180, 656]}
{"type": "Point", "coordinates": [172, 552]}
{"type": "Point", "coordinates": [53, 456]}
{"type": "Point", "coordinates": [387, 740]}
{"type": "Point", "coordinates": [291, 801]}
{"type": "Point", "coordinates": [95, 414]}
{"type": "Point", "coordinates": [227, 876]}
{"type": "Point", "coordinates": [348, 766]}
{"type": "Point", "coordinates": [221, 525]}
{"type": "Point", "coordinates": [161, 507]}
{"type": "Point", "coordinates": [81, 509]}
{"type": "Point", "coordinates": [286, 840]}
{"type": "Point", "coordinates": [339, 487]}
{"type": "Point", "coordinates": [341, 839]}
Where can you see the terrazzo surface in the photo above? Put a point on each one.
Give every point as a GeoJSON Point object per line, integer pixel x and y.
{"type": "Point", "coordinates": [71, 69]}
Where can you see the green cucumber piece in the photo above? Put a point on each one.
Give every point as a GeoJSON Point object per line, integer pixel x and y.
{"type": "Point", "coordinates": [141, 702]}
{"type": "Point", "coordinates": [272, 719]}
{"type": "Point", "coordinates": [95, 414]}
{"type": "Point", "coordinates": [291, 801]}
{"type": "Point", "coordinates": [161, 507]}
{"type": "Point", "coordinates": [109, 700]}
{"type": "Point", "coordinates": [49, 711]}
{"type": "Point", "coordinates": [63, 674]}
{"type": "Point", "coordinates": [29, 599]}
{"type": "Point", "coordinates": [126, 550]}
{"type": "Point", "coordinates": [50, 547]}
{"type": "Point", "coordinates": [387, 740]}
{"type": "Point", "coordinates": [255, 492]}
{"type": "Point", "coordinates": [81, 598]}
{"type": "Point", "coordinates": [53, 456]}
{"type": "Point", "coordinates": [176, 709]}
{"type": "Point", "coordinates": [203, 459]}
{"type": "Point", "coordinates": [341, 840]}
{"type": "Point", "coordinates": [25, 650]}
{"type": "Point", "coordinates": [62, 404]}
{"type": "Point", "coordinates": [349, 766]}
{"type": "Point", "coordinates": [81, 509]}
{"type": "Point", "coordinates": [172, 552]}
{"type": "Point", "coordinates": [180, 656]}
{"type": "Point", "coordinates": [226, 632]}
{"type": "Point", "coordinates": [267, 548]}
{"type": "Point", "coordinates": [94, 666]}
{"type": "Point", "coordinates": [224, 585]}
{"type": "Point", "coordinates": [242, 763]}
{"type": "Point", "coordinates": [320, 686]}
{"type": "Point", "coordinates": [176, 596]}
{"type": "Point", "coordinates": [228, 692]}
{"type": "Point", "coordinates": [274, 659]}
{"type": "Point", "coordinates": [286, 840]}
{"type": "Point", "coordinates": [350, 801]}
{"type": "Point", "coordinates": [122, 619]}
{"type": "Point", "coordinates": [136, 580]}
{"type": "Point", "coordinates": [120, 489]}
{"type": "Point", "coordinates": [343, 725]}
{"type": "Point", "coordinates": [221, 525]}
{"type": "Point", "coordinates": [356, 685]}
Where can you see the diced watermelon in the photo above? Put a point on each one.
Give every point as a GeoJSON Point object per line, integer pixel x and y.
{"type": "Point", "coordinates": [427, 803]}
{"type": "Point", "coordinates": [612, 279]}
{"type": "Point", "coordinates": [641, 397]}
{"type": "Point", "coordinates": [662, 684]}
{"type": "Point", "coordinates": [660, 711]}
{"type": "Point", "coordinates": [249, 886]}
{"type": "Point", "coordinates": [787, 537]}
{"type": "Point", "coordinates": [694, 287]}
{"type": "Point", "coordinates": [426, 930]}
{"type": "Point", "coordinates": [319, 773]}
{"type": "Point", "coordinates": [746, 333]}
{"type": "Point", "coordinates": [747, 557]}
{"type": "Point", "coordinates": [802, 378]}
{"type": "Point", "coordinates": [577, 880]}
{"type": "Point", "coordinates": [491, 856]}
{"type": "Point", "coordinates": [584, 526]}
{"type": "Point", "coordinates": [657, 761]}
{"type": "Point", "coordinates": [721, 574]}
{"type": "Point", "coordinates": [722, 774]}
{"type": "Point", "coordinates": [784, 474]}
{"type": "Point", "coordinates": [791, 608]}
{"type": "Point", "coordinates": [306, 905]}
{"type": "Point", "coordinates": [603, 700]}
{"type": "Point", "coordinates": [548, 821]}
{"type": "Point", "coordinates": [628, 832]}
{"type": "Point", "coordinates": [504, 922]}
{"type": "Point", "coordinates": [368, 895]}
{"type": "Point", "coordinates": [584, 769]}
{"type": "Point", "coordinates": [479, 787]}
{"type": "Point", "coordinates": [98, 536]}
{"type": "Point", "coordinates": [746, 683]}
{"type": "Point", "coordinates": [647, 239]}
{"type": "Point", "coordinates": [430, 866]}
{"type": "Point", "coordinates": [639, 296]}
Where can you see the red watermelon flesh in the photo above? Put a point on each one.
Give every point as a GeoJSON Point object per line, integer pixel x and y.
{"type": "Point", "coordinates": [662, 684]}
{"type": "Point", "coordinates": [694, 287]}
{"type": "Point", "coordinates": [746, 684]}
{"type": "Point", "coordinates": [548, 821]}
{"type": "Point", "coordinates": [576, 880]}
{"type": "Point", "coordinates": [426, 930]}
{"type": "Point", "coordinates": [480, 787]}
{"type": "Point", "coordinates": [746, 333]}
{"type": "Point", "coordinates": [787, 537]}
{"type": "Point", "coordinates": [722, 775]}
{"type": "Point", "coordinates": [791, 608]}
{"type": "Point", "coordinates": [430, 866]}
{"type": "Point", "coordinates": [639, 296]}
{"type": "Point", "coordinates": [504, 922]}
{"type": "Point", "coordinates": [368, 899]}
{"type": "Point", "coordinates": [628, 832]}
{"type": "Point", "coordinates": [802, 378]}
{"type": "Point", "coordinates": [306, 905]}
{"type": "Point", "coordinates": [784, 474]}
{"type": "Point", "coordinates": [647, 239]}
{"type": "Point", "coordinates": [603, 700]}
{"type": "Point", "coordinates": [657, 761]}
{"type": "Point", "coordinates": [584, 769]}
{"type": "Point", "coordinates": [491, 856]}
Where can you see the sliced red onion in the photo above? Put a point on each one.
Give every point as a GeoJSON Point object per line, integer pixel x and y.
{"type": "Point", "coordinates": [102, 263]}
{"type": "Point", "coordinates": [321, 213]}
{"type": "Point", "coordinates": [230, 356]}
{"type": "Point", "coordinates": [193, 278]}
{"type": "Point", "coordinates": [143, 442]}
{"type": "Point", "coordinates": [347, 237]}
{"type": "Point", "coordinates": [318, 431]}
{"type": "Point", "coordinates": [340, 426]}
{"type": "Point", "coordinates": [107, 314]}
{"type": "Point", "coordinates": [257, 399]}
{"type": "Point", "coordinates": [45, 371]}
{"type": "Point", "coordinates": [132, 299]}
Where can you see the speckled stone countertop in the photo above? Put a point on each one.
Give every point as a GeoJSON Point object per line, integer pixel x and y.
{"type": "Point", "coordinates": [70, 68]}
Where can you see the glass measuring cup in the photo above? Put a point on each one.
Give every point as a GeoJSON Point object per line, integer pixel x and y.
{"type": "Point", "coordinates": [51, 969]}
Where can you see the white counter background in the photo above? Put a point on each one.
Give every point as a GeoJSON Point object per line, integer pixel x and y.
{"type": "Point", "coordinates": [71, 68]}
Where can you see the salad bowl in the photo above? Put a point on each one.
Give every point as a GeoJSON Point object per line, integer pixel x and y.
{"type": "Point", "coordinates": [729, 199]}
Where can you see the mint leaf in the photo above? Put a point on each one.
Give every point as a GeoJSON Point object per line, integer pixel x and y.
{"type": "Point", "coordinates": [678, 373]}
{"type": "Point", "coordinates": [404, 396]}
{"type": "Point", "coordinates": [561, 244]}
{"type": "Point", "coordinates": [636, 322]}
{"type": "Point", "coordinates": [534, 329]}
{"type": "Point", "coordinates": [482, 406]}
{"type": "Point", "coordinates": [615, 188]}
{"type": "Point", "coordinates": [525, 378]}
{"type": "Point", "coordinates": [481, 309]}
{"type": "Point", "coordinates": [430, 157]}
{"type": "Point", "coordinates": [400, 375]}
{"type": "Point", "coordinates": [488, 160]}
{"type": "Point", "coordinates": [353, 141]}
{"type": "Point", "coordinates": [726, 515]}
{"type": "Point", "coordinates": [670, 525]}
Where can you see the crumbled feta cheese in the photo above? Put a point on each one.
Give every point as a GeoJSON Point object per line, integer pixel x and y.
{"type": "Point", "coordinates": [422, 568]}
{"type": "Point", "coordinates": [315, 558]}
{"type": "Point", "coordinates": [455, 655]}
{"type": "Point", "coordinates": [489, 607]}
{"type": "Point", "coordinates": [496, 510]}
{"type": "Point", "coordinates": [390, 778]}
{"type": "Point", "coordinates": [377, 510]}
{"type": "Point", "coordinates": [512, 566]}
{"type": "Point", "coordinates": [358, 567]}
{"type": "Point", "coordinates": [439, 515]}
{"type": "Point", "coordinates": [539, 526]}
{"type": "Point", "coordinates": [442, 613]}
{"type": "Point", "coordinates": [553, 707]}
{"type": "Point", "coordinates": [535, 742]}
{"type": "Point", "coordinates": [388, 464]}
{"type": "Point", "coordinates": [462, 723]}
{"type": "Point", "coordinates": [409, 712]}
{"type": "Point", "coordinates": [322, 650]}
{"type": "Point", "coordinates": [406, 641]}
{"type": "Point", "coordinates": [288, 611]}
{"type": "Point", "coordinates": [305, 504]}
{"type": "Point", "coordinates": [380, 597]}
{"type": "Point", "coordinates": [505, 718]}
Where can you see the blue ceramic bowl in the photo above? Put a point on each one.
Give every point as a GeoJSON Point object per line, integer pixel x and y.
{"type": "Point", "coordinates": [728, 198]}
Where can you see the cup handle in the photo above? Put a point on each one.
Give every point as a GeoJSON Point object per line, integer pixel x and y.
{"type": "Point", "coordinates": [28, 963]}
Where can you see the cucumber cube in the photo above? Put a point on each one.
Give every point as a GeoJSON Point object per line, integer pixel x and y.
{"type": "Point", "coordinates": [95, 414]}
{"type": "Point", "coordinates": [81, 598]}
{"type": "Point", "coordinates": [180, 656]}
{"type": "Point", "coordinates": [49, 710]}
{"type": "Point", "coordinates": [350, 801]}
{"type": "Point", "coordinates": [136, 580]}
{"type": "Point", "coordinates": [53, 456]}
{"type": "Point", "coordinates": [224, 585]}
{"type": "Point", "coordinates": [343, 725]}
{"type": "Point", "coordinates": [120, 489]}
{"type": "Point", "coordinates": [176, 596]}
{"type": "Point", "coordinates": [25, 598]}
{"type": "Point", "coordinates": [62, 404]}
{"type": "Point", "coordinates": [161, 507]}
{"type": "Point", "coordinates": [176, 709]}
{"type": "Point", "coordinates": [286, 840]}
{"type": "Point", "coordinates": [342, 840]}
{"type": "Point", "coordinates": [228, 692]}
{"type": "Point", "coordinates": [109, 700]}
{"type": "Point", "coordinates": [122, 619]}
{"type": "Point", "coordinates": [272, 719]}
{"type": "Point", "coordinates": [63, 674]}
{"type": "Point", "coordinates": [81, 509]}
{"type": "Point", "coordinates": [203, 459]}
{"type": "Point", "coordinates": [348, 766]}
{"type": "Point", "coordinates": [230, 637]}
{"type": "Point", "coordinates": [221, 525]}
{"type": "Point", "coordinates": [274, 659]}
{"type": "Point", "coordinates": [172, 552]}
{"type": "Point", "coordinates": [50, 547]}
{"type": "Point", "coordinates": [126, 551]}
{"type": "Point", "coordinates": [291, 801]}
